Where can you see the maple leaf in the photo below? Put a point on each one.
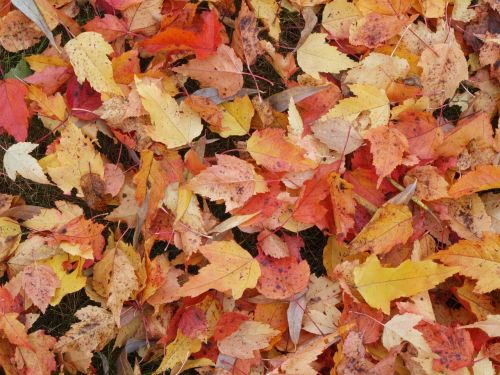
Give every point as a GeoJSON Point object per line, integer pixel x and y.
{"type": "Point", "coordinates": [299, 362]}
{"type": "Point", "coordinates": [114, 278]}
{"type": "Point", "coordinates": [245, 40]}
{"type": "Point", "coordinates": [232, 180]}
{"type": "Point", "coordinates": [248, 337]}
{"type": "Point", "coordinates": [315, 56]}
{"type": "Point", "coordinates": [344, 206]}
{"type": "Point", "coordinates": [13, 109]}
{"type": "Point", "coordinates": [173, 125]}
{"type": "Point", "coordinates": [18, 161]}
{"type": "Point", "coordinates": [390, 225]}
{"type": "Point", "coordinates": [271, 149]}
{"type": "Point", "coordinates": [387, 145]}
{"type": "Point", "coordinates": [109, 26]}
{"type": "Point", "coordinates": [203, 38]}
{"type": "Point", "coordinates": [40, 283]}
{"type": "Point", "coordinates": [444, 67]}
{"type": "Point", "coordinates": [454, 346]}
{"type": "Point", "coordinates": [338, 16]}
{"type": "Point", "coordinates": [68, 282]}
{"type": "Point", "coordinates": [231, 268]}
{"type": "Point", "coordinates": [94, 330]}
{"type": "Point", "coordinates": [178, 351]}
{"type": "Point", "coordinates": [81, 237]}
{"type": "Point", "coordinates": [368, 98]}
{"type": "Point", "coordinates": [375, 29]}
{"type": "Point", "coordinates": [484, 177]}
{"type": "Point", "coordinates": [282, 278]}
{"type": "Point", "coordinates": [380, 285]}
{"type": "Point", "coordinates": [74, 157]}
{"type": "Point", "coordinates": [236, 117]}
{"type": "Point", "coordinates": [221, 70]}
{"type": "Point", "coordinates": [491, 325]}
{"type": "Point", "coordinates": [421, 131]}
{"type": "Point", "coordinates": [402, 328]}
{"type": "Point", "coordinates": [18, 32]}
{"type": "Point", "coordinates": [479, 260]}
{"type": "Point", "coordinates": [10, 237]}
{"type": "Point", "coordinates": [378, 70]}
{"type": "Point", "coordinates": [14, 330]}
{"type": "Point", "coordinates": [88, 55]}
{"type": "Point", "coordinates": [38, 361]}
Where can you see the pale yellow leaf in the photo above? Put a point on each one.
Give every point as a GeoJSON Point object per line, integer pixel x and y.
{"type": "Point", "coordinates": [173, 125]}
{"type": "Point", "coordinates": [88, 53]}
{"type": "Point", "coordinates": [231, 268]}
{"type": "Point", "coordinates": [268, 12]}
{"type": "Point", "coordinates": [249, 336]}
{"type": "Point", "coordinates": [316, 55]}
{"type": "Point", "coordinates": [380, 285]}
{"type": "Point", "coordinates": [76, 157]}
{"type": "Point", "coordinates": [338, 16]}
{"type": "Point", "coordinates": [368, 98]}
{"type": "Point", "coordinates": [391, 225]}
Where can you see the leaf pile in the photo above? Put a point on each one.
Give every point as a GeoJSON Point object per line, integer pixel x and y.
{"type": "Point", "coordinates": [203, 152]}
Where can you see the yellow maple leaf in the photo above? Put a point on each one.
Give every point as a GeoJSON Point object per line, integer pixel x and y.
{"type": "Point", "coordinates": [236, 117]}
{"type": "Point", "coordinates": [390, 225]}
{"type": "Point", "coordinates": [249, 336]}
{"type": "Point", "coordinates": [10, 236]}
{"type": "Point", "coordinates": [174, 125]}
{"type": "Point", "coordinates": [338, 16]}
{"type": "Point", "coordinates": [88, 55]}
{"type": "Point", "coordinates": [368, 98]}
{"type": "Point", "coordinates": [316, 55]}
{"type": "Point", "coordinates": [380, 285]}
{"type": "Point", "coordinates": [115, 278]}
{"type": "Point", "coordinates": [479, 260]}
{"type": "Point", "coordinates": [178, 351]}
{"type": "Point", "coordinates": [231, 268]}
{"type": "Point", "coordinates": [69, 282]}
{"type": "Point", "coordinates": [75, 157]}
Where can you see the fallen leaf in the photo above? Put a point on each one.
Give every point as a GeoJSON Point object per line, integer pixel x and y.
{"type": "Point", "coordinates": [114, 276]}
{"type": "Point", "coordinates": [173, 125]}
{"type": "Point", "coordinates": [94, 330]}
{"type": "Point", "coordinates": [18, 161]}
{"type": "Point", "coordinates": [40, 283]}
{"type": "Point", "coordinates": [368, 98]}
{"type": "Point", "coordinates": [391, 225]}
{"type": "Point", "coordinates": [88, 55]}
{"type": "Point", "coordinates": [221, 70]}
{"type": "Point", "coordinates": [231, 268]}
{"type": "Point", "coordinates": [232, 180]}
{"type": "Point", "coordinates": [271, 149]}
{"type": "Point", "coordinates": [316, 55]}
{"type": "Point", "coordinates": [75, 157]}
{"type": "Point", "coordinates": [14, 111]}
{"type": "Point", "coordinates": [444, 67]}
{"type": "Point", "coordinates": [248, 337]}
{"type": "Point", "coordinates": [282, 278]}
{"type": "Point", "coordinates": [479, 260]}
{"type": "Point", "coordinates": [387, 145]}
{"type": "Point", "coordinates": [380, 285]}
{"type": "Point", "coordinates": [484, 177]}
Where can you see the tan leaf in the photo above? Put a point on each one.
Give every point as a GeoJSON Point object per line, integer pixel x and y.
{"type": "Point", "coordinates": [40, 283]}
{"type": "Point", "coordinates": [232, 180]}
{"type": "Point", "coordinates": [221, 70]}
{"type": "Point", "coordinates": [444, 67]}
{"type": "Point", "coordinates": [250, 336]}
{"type": "Point", "coordinates": [115, 279]}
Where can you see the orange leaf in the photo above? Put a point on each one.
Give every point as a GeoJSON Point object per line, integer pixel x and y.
{"type": "Point", "coordinates": [272, 150]}
{"type": "Point", "coordinates": [203, 38]}
{"type": "Point", "coordinates": [485, 177]}
{"type": "Point", "coordinates": [387, 145]}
